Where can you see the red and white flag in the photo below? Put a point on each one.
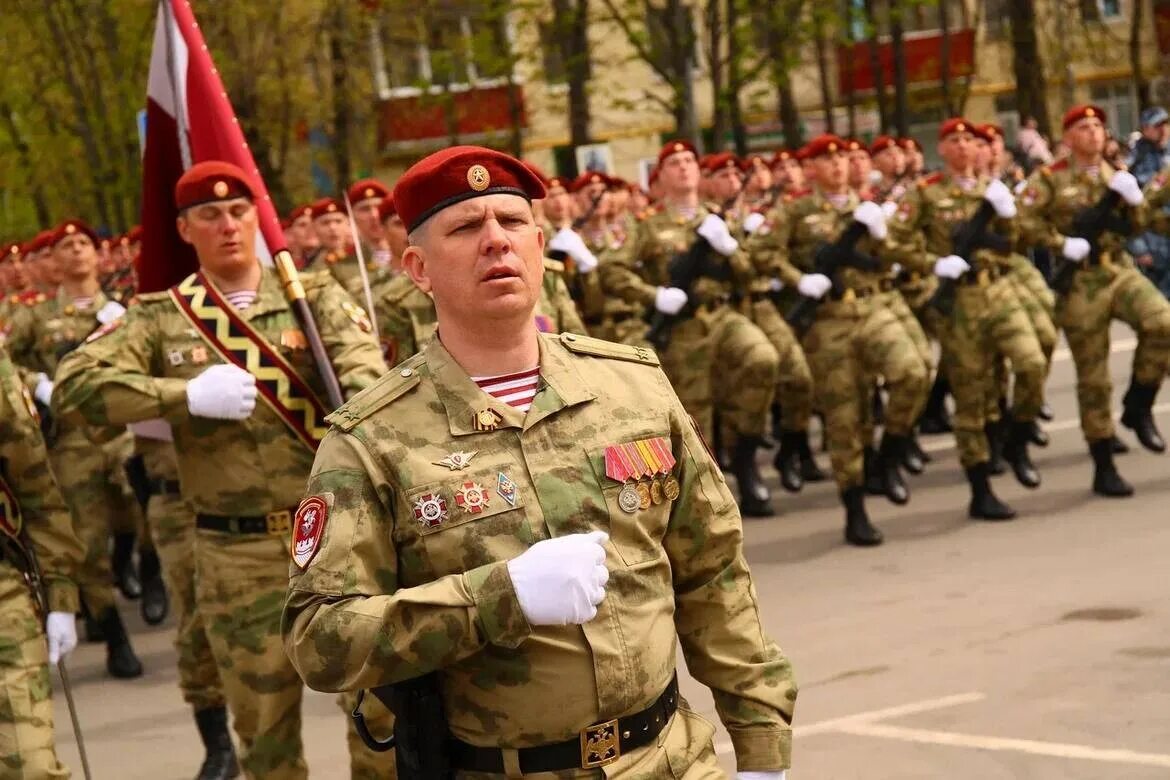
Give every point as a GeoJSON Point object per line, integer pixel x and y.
{"type": "Point", "coordinates": [189, 119]}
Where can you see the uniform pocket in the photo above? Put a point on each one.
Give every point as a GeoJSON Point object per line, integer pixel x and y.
{"type": "Point", "coordinates": [639, 511]}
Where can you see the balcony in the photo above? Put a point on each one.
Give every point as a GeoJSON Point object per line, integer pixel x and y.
{"type": "Point", "coordinates": [423, 121]}
{"type": "Point", "coordinates": [924, 66]}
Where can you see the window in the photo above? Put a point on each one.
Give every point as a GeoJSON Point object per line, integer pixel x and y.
{"type": "Point", "coordinates": [1117, 98]}
{"type": "Point", "coordinates": [995, 16]}
{"type": "Point", "coordinates": [453, 44]}
{"type": "Point", "coordinates": [1100, 10]}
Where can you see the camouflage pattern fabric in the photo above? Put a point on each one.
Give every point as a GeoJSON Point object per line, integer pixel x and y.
{"type": "Point", "coordinates": [365, 764]}
{"type": "Point", "coordinates": [794, 385]}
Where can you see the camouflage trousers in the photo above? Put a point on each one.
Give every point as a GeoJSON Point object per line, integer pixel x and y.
{"type": "Point", "coordinates": [1098, 295]}
{"type": "Point", "coordinates": [744, 372]}
{"type": "Point", "coordinates": [94, 487]}
{"type": "Point", "coordinates": [988, 321]}
{"type": "Point", "coordinates": [1038, 301]}
{"type": "Point", "coordinates": [172, 525]}
{"type": "Point", "coordinates": [365, 764]}
{"type": "Point", "coordinates": [897, 305]}
{"type": "Point", "coordinates": [26, 707]}
{"type": "Point", "coordinates": [684, 751]}
{"type": "Point", "coordinates": [849, 343]}
{"type": "Point", "coordinates": [794, 388]}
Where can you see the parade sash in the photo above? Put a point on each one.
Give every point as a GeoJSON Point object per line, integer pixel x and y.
{"type": "Point", "coordinates": [239, 343]}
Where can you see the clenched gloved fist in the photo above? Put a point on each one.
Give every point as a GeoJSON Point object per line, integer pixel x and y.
{"type": "Point", "coordinates": [110, 312]}
{"type": "Point", "coordinates": [814, 285]}
{"type": "Point", "coordinates": [570, 242]}
{"type": "Point", "coordinates": [1000, 198]}
{"type": "Point", "coordinates": [1125, 185]}
{"type": "Point", "coordinates": [1076, 249]}
{"type": "Point", "coordinates": [61, 632]}
{"type": "Point", "coordinates": [871, 215]}
{"type": "Point", "coordinates": [560, 581]}
{"type": "Point", "coordinates": [222, 392]}
{"type": "Point", "coordinates": [752, 222]}
{"type": "Point", "coordinates": [718, 236]}
{"type": "Point", "coordinates": [951, 267]}
{"type": "Point", "coordinates": [43, 392]}
{"type": "Point", "coordinates": [670, 300]}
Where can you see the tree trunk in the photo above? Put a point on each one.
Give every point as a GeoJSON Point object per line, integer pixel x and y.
{"type": "Point", "coordinates": [735, 79]}
{"type": "Point", "coordinates": [875, 66]}
{"type": "Point", "coordinates": [341, 107]}
{"type": "Point", "coordinates": [898, 45]}
{"type": "Point", "coordinates": [944, 57]}
{"type": "Point", "coordinates": [683, 66]}
{"type": "Point", "coordinates": [714, 23]}
{"type": "Point", "coordinates": [822, 47]}
{"type": "Point", "coordinates": [578, 73]}
{"type": "Point", "coordinates": [787, 111]}
{"type": "Point", "coordinates": [1140, 82]}
{"type": "Point", "coordinates": [24, 154]}
{"type": "Point", "coordinates": [1027, 65]}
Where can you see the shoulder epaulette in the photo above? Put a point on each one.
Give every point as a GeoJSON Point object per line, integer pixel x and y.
{"type": "Point", "coordinates": [586, 345]}
{"type": "Point", "coordinates": [933, 178]}
{"type": "Point", "coordinates": [153, 297]}
{"type": "Point", "coordinates": [556, 266]}
{"type": "Point", "coordinates": [388, 388]}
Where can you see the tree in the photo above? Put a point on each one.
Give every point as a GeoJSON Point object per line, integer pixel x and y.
{"type": "Point", "coordinates": [898, 46]}
{"type": "Point", "coordinates": [571, 29]}
{"type": "Point", "coordinates": [1027, 64]}
{"type": "Point", "coordinates": [1140, 82]}
{"type": "Point", "coordinates": [782, 43]}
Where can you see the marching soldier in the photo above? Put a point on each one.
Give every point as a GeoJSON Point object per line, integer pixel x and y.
{"type": "Point", "coordinates": [302, 239]}
{"type": "Point", "coordinates": [490, 544]}
{"type": "Point", "coordinates": [335, 255]}
{"type": "Point", "coordinates": [1104, 285]}
{"type": "Point", "coordinates": [38, 550]}
{"type": "Point", "coordinates": [889, 160]}
{"type": "Point", "coordinates": [365, 197]}
{"type": "Point", "coordinates": [709, 336]}
{"type": "Point", "coordinates": [168, 358]}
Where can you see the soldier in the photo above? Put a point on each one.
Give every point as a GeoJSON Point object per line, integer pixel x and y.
{"type": "Point", "coordinates": [915, 160]}
{"type": "Point", "coordinates": [364, 198]}
{"type": "Point", "coordinates": [987, 318]}
{"type": "Point", "coordinates": [87, 460]}
{"type": "Point", "coordinates": [1104, 286]}
{"type": "Point", "coordinates": [480, 527]}
{"type": "Point", "coordinates": [788, 173]}
{"type": "Point", "coordinates": [302, 239]}
{"type": "Point", "coordinates": [854, 337]}
{"type": "Point", "coordinates": [861, 172]}
{"type": "Point", "coordinates": [889, 160]}
{"type": "Point", "coordinates": [165, 359]}
{"type": "Point", "coordinates": [709, 335]}
{"type": "Point", "coordinates": [35, 525]}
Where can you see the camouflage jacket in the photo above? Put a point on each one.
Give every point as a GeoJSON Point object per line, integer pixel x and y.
{"type": "Point", "coordinates": [139, 370]}
{"type": "Point", "coordinates": [411, 574]}
{"type": "Point", "coordinates": [47, 524]}
{"type": "Point", "coordinates": [53, 328]}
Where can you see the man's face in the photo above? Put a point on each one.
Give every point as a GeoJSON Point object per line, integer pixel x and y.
{"type": "Point", "coordinates": [481, 260]}
{"type": "Point", "coordinates": [982, 156]}
{"type": "Point", "coordinates": [332, 231]}
{"type": "Point", "coordinates": [808, 170]}
{"type": "Point", "coordinates": [724, 184]}
{"type": "Point", "coordinates": [558, 206]}
{"type": "Point", "coordinates": [223, 234]}
{"type": "Point", "coordinates": [832, 170]}
{"type": "Point", "coordinates": [891, 162]}
{"type": "Point", "coordinates": [1157, 133]}
{"type": "Point", "coordinates": [303, 233]}
{"type": "Point", "coordinates": [998, 152]}
{"type": "Point", "coordinates": [860, 165]}
{"type": "Point", "coordinates": [395, 231]}
{"type": "Point", "coordinates": [794, 178]}
{"type": "Point", "coordinates": [587, 195]}
{"type": "Point", "coordinates": [1086, 137]}
{"type": "Point", "coordinates": [958, 151]}
{"type": "Point", "coordinates": [759, 178]}
{"type": "Point", "coordinates": [369, 224]}
{"type": "Point", "coordinates": [679, 175]}
{"type": "Point", "coordinates": [76, 257]}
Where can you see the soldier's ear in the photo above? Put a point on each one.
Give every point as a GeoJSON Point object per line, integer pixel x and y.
{"type": "Point", "coordinates": [182, 226]}
{"type": "Point", "coordinates": [414, 263]}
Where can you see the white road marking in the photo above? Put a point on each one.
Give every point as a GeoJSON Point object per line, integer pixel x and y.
{"type": "Point", "coordinates": [1052, 749]}
{"type": "Point", "coordinates": [1061, 354]}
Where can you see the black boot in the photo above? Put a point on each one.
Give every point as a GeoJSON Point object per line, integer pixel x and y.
{"type": "Point", "coordinates": [858, 530]}
{"type": "Point", "coordinates": [879, 406]}
{"type": "Point", "coordinates": [985, 505]}
{"type": "Point", "coordinates": [1106, 480]}
{"type": "Point", "coordinates": [777, 427]}
{"type": "Point", "coordinates": [93, 628]}
{"type": "Point", "coordinates": [220, 761]}
{"type": "Point", "coordinates": [809, 470]}
{"type": "Point", "coordinates": [935, 418]}
{"type": "Point", "coordinates": [875, 484]}
{"type": "Point", "coordinates": [787, 460]}
{"type": "Point", "coordinates": [914, 458]}
{"type": "Point", "coordinates": [994, 432]}
{"type": "Point", "coordinates": [1139, 417]}
{"type": "Point", "coordinates": [1045, 413]}
{"type": "Point", "coordinates": [121, 662]}
{"type": "Point", "coordinates": [1119, 447]}
{"type": "Point", "coordinates": [122, 564]}
{"type": "Point", "coordinates": [755, 499]}
{"type": "Point", "coordinates": [890, 455]}
{"type": "Point", "coordinates": [154, 604]}
{"type": "Point", "coordinates": [1038, 435]}
{"type": "Point", "coordinates": [1015, 452]}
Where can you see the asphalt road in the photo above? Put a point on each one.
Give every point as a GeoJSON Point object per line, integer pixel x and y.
{"type": "Point", "coordinates": [1033, 649]}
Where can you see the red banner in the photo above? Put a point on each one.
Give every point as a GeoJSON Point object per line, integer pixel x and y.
{"type": "Point", "coordinates": [923, 60]}
{"type": "Point", "coordinates": [473, 112]}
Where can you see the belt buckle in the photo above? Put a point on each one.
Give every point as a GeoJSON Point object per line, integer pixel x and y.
{"type": "Point", "coordinates": [600, 745]}
{"type": "Point", "coordinates": [278, 522]}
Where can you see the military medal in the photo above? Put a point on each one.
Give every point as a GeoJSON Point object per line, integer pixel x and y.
{"type": "Point", "coordinates": [430, 510]}
{"type": "Point", "coordinates": [199, 354]}
{"type": "Point", "coordinates": [472, 497]}
{"type": "Point", "coordinates": [357, 315]}
{"type": "Point", "coordinates": [457, 461]}
{"type": "Point", "coordinates": [628, 498]}
{"type": "Point", "coordinates": [643, 495]}
{"type": "Point", "coordinates": [175, 357]}
{"type": "Point", "coordinates": [506, 489]}
{"type": "Point", "coordinates": [486, 420]}
{"type": "Point", "coordinates": [670, 488]}
{"type": "Point", "coordinates": [656, 491]}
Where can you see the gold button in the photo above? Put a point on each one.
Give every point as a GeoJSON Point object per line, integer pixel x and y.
{"type": "Point", "coordinates": [406, 372]}
{"type": "Point", "coordinates": [570, 337]}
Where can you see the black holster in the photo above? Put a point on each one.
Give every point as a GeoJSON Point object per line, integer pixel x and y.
{"type": "Point", "coordinates": [421, 739]}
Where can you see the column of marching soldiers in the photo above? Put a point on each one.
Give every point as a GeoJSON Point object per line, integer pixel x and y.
{"type": "Point", "coordinates": [777, 290]}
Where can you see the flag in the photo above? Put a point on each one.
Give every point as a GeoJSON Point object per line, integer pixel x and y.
{"type": "Point", "coordinates": [189, 119]}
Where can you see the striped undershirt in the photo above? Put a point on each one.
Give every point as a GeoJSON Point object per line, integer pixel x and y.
{"type": "Point", "coordinates": [83, 302]}
{"type": "Point", "coordinates": [241, 299]}
{"type": "Point", "coordinates": [516, 390]}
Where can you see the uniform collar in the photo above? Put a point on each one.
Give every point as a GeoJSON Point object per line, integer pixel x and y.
{"type": "Point", "coordinates": [63, 300]}
{"type": "Point", "coordinates": [561, 386]}
{"type": "Point", "coordinates": [269, 298]}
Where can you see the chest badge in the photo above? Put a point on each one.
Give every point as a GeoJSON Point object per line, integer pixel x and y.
{"type": "Point", "coordinates": [506, 489]}
{"type": "Point", "coordinates": [472, 497]}
{"type": "Point", "coordinates": [175, 357]}
{"type": "Point", "coordinates": [457, 461]}
{"type": "Point", "coordinates": [199, 355]}
{"type": "Point", "coordinates": [486, 420]}
{"type": "Point", "coordinates": [430, 510]}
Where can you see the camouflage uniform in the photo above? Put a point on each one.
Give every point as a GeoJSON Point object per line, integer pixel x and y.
{"type": "Point", "coordinates": [139, 371]}
{"type": "Point", "coordinates": [343, 267]}
{"type": "Point", "coordinates": [26, 717]}
{"type": "Point", "coordinates": [555, 311]}
{"type": "Point", "coordinates": [608, 317]}
{"type": "Point", "coordinates": [387, 598]}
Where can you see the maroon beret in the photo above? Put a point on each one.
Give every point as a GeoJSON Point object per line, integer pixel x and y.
{"type": "Point", "coordinates": [955, 125]}
{"type": "Point", "coordinates": [325, 206]}
{"type": "Point", "coordinates": [209, 181]}
{"type": "Point", "coordinates": [367, 189]}
{"type": "Point", "coordinates": [674, 147]}
{"type": "Point", "coordinates": [824, 144]}
{"type": "Point", "coordinates": [70, 227]}
{"type": "Point", "coordinates": [1077, 113]}
{"type": "Point", "coordinates": [386, 208]}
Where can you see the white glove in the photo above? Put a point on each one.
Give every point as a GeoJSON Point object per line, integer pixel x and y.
{"type": "Point", "coordinates": [222, 392]}
{"type": "Point", "coordinates": [814, 285]}
{"type": "Point", "coordinates": [775, 285]}
{"type": "Point", "coordinates": [1125, 185]}
{"type": "Point", "coordinates": [780, 775]}
{"type": "Point", "coordinates": [714, 229]}
{"type": "Point", "coordinates": [752, 222]}
{"type": "Point", "coordinates": [43, 392]}
{"type": "Point", "coordinates": [670, 300]}
{"type": "Point", "coordinates": [1000, 198]}
{"type": "Point", "coordinates": [570, 242]}
{"type": "Point", "coordinates": [871, 215]}
{"type": "Point", "coordinates": [890, 208]}
{"type": "Point", "coordinates": [560, 581]}
{"type": "Point", "coordinates": [110, 312]}
{"type": "Point", "coordinates": [951, 267]}
{"type": "Point", "coordinates": [61, 631]}
{"type": "Point", "coordinates": [1076, 249]}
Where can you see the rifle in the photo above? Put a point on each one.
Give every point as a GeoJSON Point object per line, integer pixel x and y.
{"type": "Point", "coordinates": [829, 259]}
{"type": "Point", "coordinates": [966, 239]}
{"type": "Point", "coordinates": [421, 737]}
{"type": "Point", "coordinates": [1090, 224]}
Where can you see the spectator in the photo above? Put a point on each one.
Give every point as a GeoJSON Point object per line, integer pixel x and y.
{"type": "Point", "coordinates": [1033, 144]}
{"type": "Point", "coordinates": [1150, 250]}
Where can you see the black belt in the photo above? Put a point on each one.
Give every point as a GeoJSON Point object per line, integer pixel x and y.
{"type": "Point", "coordinates": [596, 746]}
{"type": "Point", "coordinates": [277, 522]}
{"type": "Point", "coordinates": [163, 487]}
